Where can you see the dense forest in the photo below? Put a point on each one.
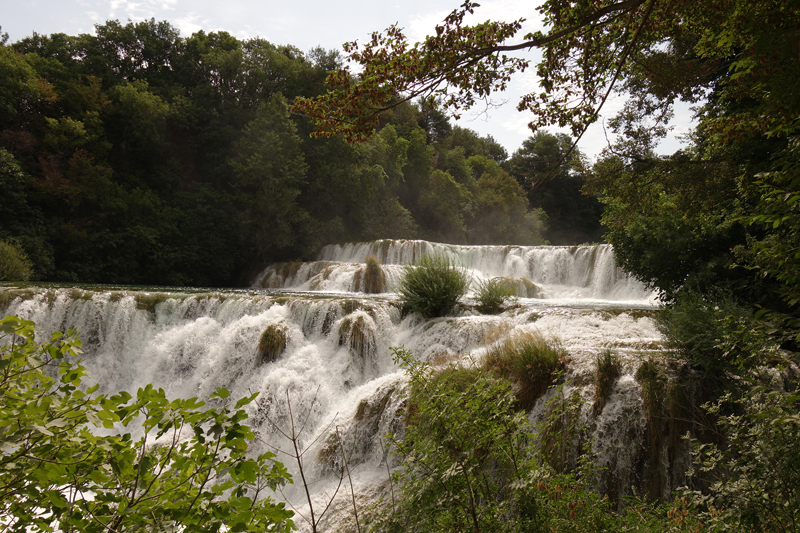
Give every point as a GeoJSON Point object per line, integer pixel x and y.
{"type": "Point", "coordinates": [139, 156]}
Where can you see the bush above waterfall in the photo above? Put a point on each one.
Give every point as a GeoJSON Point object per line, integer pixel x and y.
{"type": "Point", "coordinates": [493, 295]}
{"type": "Point", "coordinates": [432, 286]}
{"type": "Point", "coordinates": [531, 362]}
{"type": "Point", "coordinates": [14, 263]}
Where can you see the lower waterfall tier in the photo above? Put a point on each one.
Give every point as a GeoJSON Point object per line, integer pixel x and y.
{"type": "Point", "coordinates": [330, 356]}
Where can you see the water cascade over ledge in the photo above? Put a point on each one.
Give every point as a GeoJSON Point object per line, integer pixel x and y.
{"type": "Point", "coordinates": [307, 332]}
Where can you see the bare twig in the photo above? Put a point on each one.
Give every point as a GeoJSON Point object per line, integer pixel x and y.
{"type": "Point", "coordinates": [349, 478]}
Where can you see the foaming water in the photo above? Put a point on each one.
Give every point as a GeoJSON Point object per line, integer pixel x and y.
{"type": "Point", "coordinates": [336, 368]}
{"type": "Point", "coordinates": [556, 272]}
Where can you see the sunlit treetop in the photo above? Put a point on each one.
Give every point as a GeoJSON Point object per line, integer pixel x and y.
{"type": "Point", "coordinates": [740, 54]}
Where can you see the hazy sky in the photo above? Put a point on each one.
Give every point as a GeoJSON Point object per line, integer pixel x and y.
{"type": "Point", "coordinates": [306, 24]}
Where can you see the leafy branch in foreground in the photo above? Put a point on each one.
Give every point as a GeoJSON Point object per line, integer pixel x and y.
{"type": "Point", "coordinates": [189, 468]}
{"type": "Point", "coordinates": [755, 477]}
{"type": "Point", "coordinates": [464, 63]}
{"type": "Point", "coordinates": [291, 427]}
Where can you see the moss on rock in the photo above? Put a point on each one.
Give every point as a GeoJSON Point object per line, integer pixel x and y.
{"type": "Point", "coordinates": [272, 343]}
{"type": "Point", "coordinates": [374, 277]}
{"type": "Point", "coordinates": [356, 334]}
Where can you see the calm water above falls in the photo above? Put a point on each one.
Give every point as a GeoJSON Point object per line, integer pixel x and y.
{"type": "Point", "coordinates": [192, 342]}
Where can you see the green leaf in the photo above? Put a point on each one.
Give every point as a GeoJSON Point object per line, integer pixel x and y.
{"type": "Point", "coordinates": [221, 393]}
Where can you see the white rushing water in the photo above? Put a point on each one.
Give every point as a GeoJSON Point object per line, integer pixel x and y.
{"type": "Point", "coordinates": [336, 367]}
{"type": "Point", "coordinates": [563, 273]}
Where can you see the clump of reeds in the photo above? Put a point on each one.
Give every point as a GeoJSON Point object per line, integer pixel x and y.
{"type": "Point", "coordinates": [433, 286]}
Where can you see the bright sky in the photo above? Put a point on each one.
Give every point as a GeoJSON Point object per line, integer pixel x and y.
{"type": "Point", "coordinates": [309, 23]}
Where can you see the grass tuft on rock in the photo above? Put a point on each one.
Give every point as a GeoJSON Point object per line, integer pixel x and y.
{"type": "Point", "coordinates": [608, 370]}
{"type": "Point", "coordinates": [432, 286]}
{"type": "Point", "coordinates": [374, 277]}
{"type": "Point", "coordinates": [272, 342]}
{"type": "Point", "coordinates": [355, 333]}
{"type": "Point", "coordinates": [493, 295]}
{"type": "Point", "coordinates": [530, 361]}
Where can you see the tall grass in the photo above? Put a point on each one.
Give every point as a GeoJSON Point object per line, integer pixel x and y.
{"type": "Point", "coordinates": [653, 384]}
{"type": "Point", "coordinates": [432, 286]}
{"type": "Point", "coordinates": [493, 295]}
{"type": "Point", "coordinates": [608, 370]}
{"type": "Point", "coordinates": [530, 361]}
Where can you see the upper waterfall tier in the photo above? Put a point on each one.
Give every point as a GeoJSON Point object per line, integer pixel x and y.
{"type": "Point", "coordinates": [549, 272]}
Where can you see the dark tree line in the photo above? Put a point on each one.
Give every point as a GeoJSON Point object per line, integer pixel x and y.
{"type": "Point", "coordinates": [136, 155]}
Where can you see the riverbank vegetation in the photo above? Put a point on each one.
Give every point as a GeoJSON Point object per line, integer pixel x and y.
{"type": "Point", "coordinates": [139, 156]}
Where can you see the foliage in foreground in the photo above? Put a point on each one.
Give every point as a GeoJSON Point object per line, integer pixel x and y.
{"type": "Point", "coordinates": [462, 452]}
{"type": "Point", "coordinates": [755, 478]}
{"type": "Point", "coordinates": [469, 463]}
{"type": "Point", "coordinates": [70, 459]}
{"type": "Point", "coordinates": [432, 286]}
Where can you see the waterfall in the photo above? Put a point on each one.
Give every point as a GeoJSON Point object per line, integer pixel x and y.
{"type": "Point", "coordinates": [334, 360]}
{"type": "Point", "coordinates": [558, 272]}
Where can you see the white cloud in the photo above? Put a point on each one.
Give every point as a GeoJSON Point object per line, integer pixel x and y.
{"type": "Point", "coordinates": [189, 24]}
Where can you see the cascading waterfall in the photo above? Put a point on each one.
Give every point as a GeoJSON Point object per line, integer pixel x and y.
{"type": "Point", "coordinates": [556, 272]}
{"type": "Point", "coordinates": [334, 361]}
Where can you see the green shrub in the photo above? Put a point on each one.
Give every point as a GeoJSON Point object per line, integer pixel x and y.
{"type": "Point", "coordinates": [469, 463]}
{"type": "Point", "coordinates": [14, 263]}
{"type": "Point", "coordinates": [493, 295]}
{"type": "Point", "coordinates": [697, 327]}
{"type": "Point", "coordinates": [432, 286]}
{"type": "Point", "coordinates": [608, 370]}
{"type": "Point", "coordinates": [463, 454]}
{"type": "Point", "coordinates": [531, 362]}
{"type": "Point", "coordinates": [756, 474]}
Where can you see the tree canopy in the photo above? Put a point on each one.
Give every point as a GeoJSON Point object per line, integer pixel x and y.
{"type": "Point", "coordinates": [668, 49]}
{"type": "Point", "coordinates": [137, 155]}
